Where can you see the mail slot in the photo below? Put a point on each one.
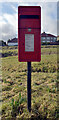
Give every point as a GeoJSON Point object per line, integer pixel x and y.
{"type": "Point", "coordinates": [29, 33]}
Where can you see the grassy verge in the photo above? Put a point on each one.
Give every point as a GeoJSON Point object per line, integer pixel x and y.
{"type": "Point", "coordinates": [13, 50]}
{"type": "Point", "coordinates": [43, 84]}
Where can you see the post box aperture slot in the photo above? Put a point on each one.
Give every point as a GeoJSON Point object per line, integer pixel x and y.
{"type": "Point", "coordinates": [29, 21]}
{"type": "Point", "coordinates": [29, 16]}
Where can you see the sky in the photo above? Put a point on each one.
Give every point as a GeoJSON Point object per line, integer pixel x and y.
{"type": "Point", "coordinates": [9, 17]}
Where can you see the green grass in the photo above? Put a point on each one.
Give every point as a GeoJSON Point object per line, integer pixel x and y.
{"type": "Point", "coordinates": [43, 84]}
{"type": "Point", "coordinates": [13, 50]}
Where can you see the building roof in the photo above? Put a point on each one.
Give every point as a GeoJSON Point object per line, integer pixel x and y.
{"type": "Point", "coordinates": [14, 40]}
{"type": "Point", "coordinates": [47, 35]}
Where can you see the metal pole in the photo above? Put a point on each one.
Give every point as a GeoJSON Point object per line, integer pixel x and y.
{"type": "Point", "coordinates": [29, 86]}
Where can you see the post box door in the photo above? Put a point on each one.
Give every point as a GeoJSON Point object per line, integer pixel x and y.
{"type": "Point", "coordinates": [29, 37]}
{"type": "Point", "coordinates": [32, 50]}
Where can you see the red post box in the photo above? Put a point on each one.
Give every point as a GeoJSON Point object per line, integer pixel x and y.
{"type": "Point", "coordinates": [29, 33]}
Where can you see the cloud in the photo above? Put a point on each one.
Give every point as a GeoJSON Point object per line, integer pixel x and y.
{"type": "Point", "coordinates": [50, 18]}
{"type": "Point", "coordinates": [50, 25]}
{"type": "Point", "coordinates": [9, 22]}
{"type": "Point", "coordinates": [10, 18]}
{"type": "Point", "coordinates": [58, 18]}
{"type": "Point", "coordinates": [7, 26]}
{"type": "Point", "coordinates": [21, 1]}
{"type": "Point", "coordinates": [14, 8]}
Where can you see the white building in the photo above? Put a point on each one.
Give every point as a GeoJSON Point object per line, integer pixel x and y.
{"type": "Point", "coordinates": [13, 42]}
{"type": "Point", "coordinates": [48, 38]}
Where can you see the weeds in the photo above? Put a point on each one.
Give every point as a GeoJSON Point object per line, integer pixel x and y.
{"type": "Point", "coordinates": [16, 106]}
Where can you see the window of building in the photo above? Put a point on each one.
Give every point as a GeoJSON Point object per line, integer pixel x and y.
{"type": "Point", "coordinates": [54, 38]}
{"type": "Point", "coordinates": [51, 37]}
{"type": "Point", "coordinates": [43, 41]}
{"type": "Point", "coordinates": [48, 37]}
{"type": "Point", "coordinates": [48, 41]}
{"type": "Point", "coordinates": [43, 38]}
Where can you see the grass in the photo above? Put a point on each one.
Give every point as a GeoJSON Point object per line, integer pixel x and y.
{"type": "Point", "coordinates": [43, 84]}
{"type": "Point", "coordinates": [13, 51]}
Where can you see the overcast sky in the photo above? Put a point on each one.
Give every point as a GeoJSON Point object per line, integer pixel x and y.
{"type": "Point", "coordinates": [9, 17]}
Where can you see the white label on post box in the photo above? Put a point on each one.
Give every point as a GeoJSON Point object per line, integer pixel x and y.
{"type": "Point", "coordinates": [29, 42]}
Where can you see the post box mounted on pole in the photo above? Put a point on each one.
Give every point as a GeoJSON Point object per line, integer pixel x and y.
{"type": "Point", "coordinates": [29, 40]}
